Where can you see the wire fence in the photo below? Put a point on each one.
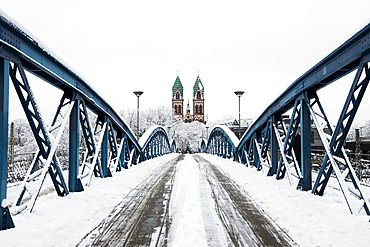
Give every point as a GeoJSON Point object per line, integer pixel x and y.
{"type": "Point", "coordinates": [18, 164]}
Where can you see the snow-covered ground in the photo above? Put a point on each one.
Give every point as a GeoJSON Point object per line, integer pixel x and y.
{"type": "Point", "coordinates": [310, 220]}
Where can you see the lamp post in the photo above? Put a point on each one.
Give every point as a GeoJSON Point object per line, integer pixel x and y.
{"type": "Point", "coordinates": [138, 93]}
{"type": "Point", "coordinates": [239, 94]}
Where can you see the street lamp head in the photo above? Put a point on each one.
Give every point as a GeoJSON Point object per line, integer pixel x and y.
{"type": "Point", "coordinates": [138, 93]}
{"type": "Point", "coordinates": [239, 93]}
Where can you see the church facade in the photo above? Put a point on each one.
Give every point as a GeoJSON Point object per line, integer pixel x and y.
{"type": "Point", "coordinates": [198, 102]}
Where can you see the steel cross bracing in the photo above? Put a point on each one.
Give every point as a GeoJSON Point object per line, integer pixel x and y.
{"type": "Point", "coordinates": [42, 135]}
{"type": "Point", "coordinates": [335, 153]}
{"type": "Point", "coordinates": [288, 159]}
{"type": "Point", "coordinates": [286, 152]}
{"type": "Point", "coordinates": [108, 145]}
{"type": "Point", "coordinates": [203, 146]}
{"type": "Point", "coordinates": [156, 144]}
{"type": "Point", "coordinates": [221, 144]}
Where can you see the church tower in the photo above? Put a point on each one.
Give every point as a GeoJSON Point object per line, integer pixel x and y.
{"type": "Point", "coordinates": [188, 117]}
{"type": "Point", "coordinates": [198, 101]}
{"type": "Point", "coordinates": [178, 98]}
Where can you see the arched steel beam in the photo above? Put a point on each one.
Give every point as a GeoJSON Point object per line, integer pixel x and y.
{"type": "Point", "coordinates": [19, 53]}
{"type": "Point", "coordinates": [154, 143]}
{"type": "Point", "coordinates": [203, 146]}
{"type": "Point", "coordinates": [328, 70]}
{"type": "Point", "coordinates": [222, 142]}
{"type": "Point", "coordinates": [174, 148]}
{"type": "Point", "coordinates": [301, 96]}
{"type": "Point", "coordinates": [18, 47]}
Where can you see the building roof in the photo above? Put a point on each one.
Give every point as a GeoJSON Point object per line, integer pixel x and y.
{"type": "Point", "coordinates": [178, 85]}
{"type": "Point", "coordinates": [198, 84]}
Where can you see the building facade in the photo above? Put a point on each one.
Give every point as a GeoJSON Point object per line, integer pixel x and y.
{"type": "Point", "coordinates": [198, 102]}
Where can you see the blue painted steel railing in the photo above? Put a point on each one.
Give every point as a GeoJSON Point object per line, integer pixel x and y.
{"type": "Point", "coordinates": [286, 151]}
{"type": "Point", "coordinates": [222, 142]}
{"type": "Point", "coordinates": [110, 143]}
{"type": "Point", "coordinates": [154, 143]}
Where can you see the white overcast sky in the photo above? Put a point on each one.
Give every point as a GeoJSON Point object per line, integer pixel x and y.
{"type": "Point", "coordinates": [259, 47]}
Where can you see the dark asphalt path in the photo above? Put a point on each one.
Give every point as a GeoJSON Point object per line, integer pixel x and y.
{"type": "Point", "coordinates": [245, 223]}
{"type": "Point", "coordinates": [143, 218]}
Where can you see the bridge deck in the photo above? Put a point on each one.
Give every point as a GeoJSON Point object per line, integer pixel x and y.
{"type": "Point", "coordinates": [162, 211]}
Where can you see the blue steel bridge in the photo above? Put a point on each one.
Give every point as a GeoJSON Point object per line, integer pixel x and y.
{"type": "Point", "coordinates": [111, 144]}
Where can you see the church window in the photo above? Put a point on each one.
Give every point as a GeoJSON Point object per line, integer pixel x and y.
{"type": "Point", "coordinates": [200, 109]}
{"type": "Point", "coordinates": [175, 109]}
{"type": "Point", "coordinates": [196, 109]}
{"type": "Point", "coordinates": [177, 95]}
{"type": "Point", "coordinates": [198, 95]}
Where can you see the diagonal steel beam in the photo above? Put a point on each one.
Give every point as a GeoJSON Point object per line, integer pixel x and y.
{"type": "Point", "coordinates": [334, 144]}
{"type": "Point", "coordinates": [287, 152]}
{"type": "Point", "coordinates": [46, 147]}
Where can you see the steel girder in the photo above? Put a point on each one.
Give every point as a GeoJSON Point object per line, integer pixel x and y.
{"type": "Point", "coordinates": [16, 46]}
{"type": "Point", "coordinates": [335, 157]}
{"type": "Point", "coordinates": [6, 221]}
{"type": "Point", "coordinates": [174, 147]}
{"type": "Point", "coordinates": [72, 108]}
{"type": "Point", "coordinates": [42, 136]}
{"type": "Point", "coordinates": [123, 155]}
{"type": "Point", "coordinates": [111, 145]}
{"type": "Point", "coordinates": [268, 133]}
{"type": "Point", "coordinates": [203, 146]}
{"type": "Point", "coordinates": [221, 144]}
{"type": "Point", "coordinates": [288, 160]}
{"type": "Point", "coordinates": [74, 182]}
{"type": "Point", "coordinates": [154, 143]}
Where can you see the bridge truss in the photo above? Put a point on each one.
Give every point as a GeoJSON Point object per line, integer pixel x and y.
{"type": "Point", "coordinates": [269, 142]}
{"type": "Point", "coordinates": [109, 142]}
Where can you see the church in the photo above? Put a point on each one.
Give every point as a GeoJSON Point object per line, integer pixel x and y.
{"type": "Point", "coordinates": [198, 102]}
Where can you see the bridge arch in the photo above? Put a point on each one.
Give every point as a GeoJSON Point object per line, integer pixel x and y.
{"type": "Point", "coordinates": [203, 146]}
{"type": "Point", "coordinates": [174, 148]}
{"type": "Point", "coordinates": [222, 142]}
{"type": "Point", "coordinates": [110, 144]}
{"type": "Point", "coordinates": [155, 143]}
{"type": "Point", "coordinates": [269, 142]}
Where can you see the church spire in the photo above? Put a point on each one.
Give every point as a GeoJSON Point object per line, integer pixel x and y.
{"type": "Point", "coordinates": [198, 85]}
{"type": "Point", "coordinates": [198, 101]}
{"type": "Point", "coordinates": [177, 97]}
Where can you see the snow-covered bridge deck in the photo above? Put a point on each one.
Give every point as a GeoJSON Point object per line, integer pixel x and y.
{"type": "Point", "coordinates": [308, 219]}
{"type": "Point", "coordinates": [189, 201]}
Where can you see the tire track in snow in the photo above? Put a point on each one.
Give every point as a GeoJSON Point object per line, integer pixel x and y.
{"type": "Point", "coordinates": [245, 223]}
{"type": "Point", "coordinates": [141, 218]}
{"type": "Point", "coordinates": [194, 221]}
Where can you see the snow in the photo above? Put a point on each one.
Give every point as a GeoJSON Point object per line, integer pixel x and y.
{"type": "Point", "coordinates": [33, 38]}
{"type": "Point", "coordinates": [146, 135]}
{"type": "Point", "coordinates": [231, 134]}
{"type": "Point", "coordinates": [309, 219]}
{"type": "Point", "coordinates": [187, 210]}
